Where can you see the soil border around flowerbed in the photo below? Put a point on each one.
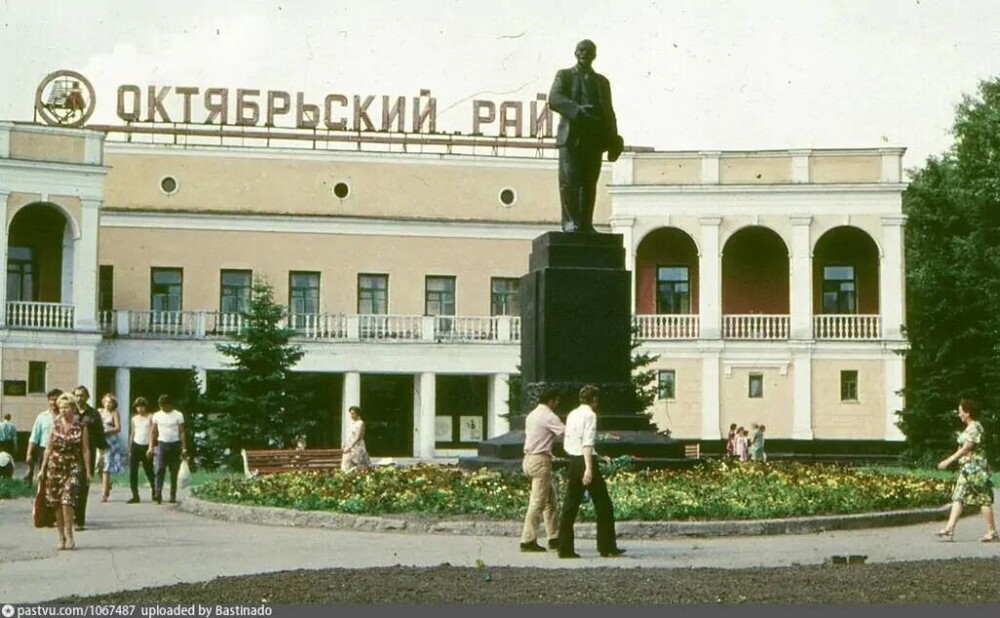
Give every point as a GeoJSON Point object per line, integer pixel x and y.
{"type": "Point", "coordinates": [425, 524]}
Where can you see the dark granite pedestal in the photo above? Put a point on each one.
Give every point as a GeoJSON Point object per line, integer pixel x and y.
{"type": "Point", "coordinates": [576, 330]}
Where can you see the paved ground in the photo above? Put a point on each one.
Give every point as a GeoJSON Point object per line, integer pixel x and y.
{"type": "Point", "coordinates": [128, 547]}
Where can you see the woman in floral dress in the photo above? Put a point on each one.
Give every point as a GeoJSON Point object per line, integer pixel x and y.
{"type": "Point", "coordinates": [974, 486]}
{"type": "Point", "coordinates": [66, 458]}
{"type": "Point", "coordinates": [355, 452]}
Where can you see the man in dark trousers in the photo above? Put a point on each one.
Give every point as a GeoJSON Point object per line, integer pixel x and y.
{"type": "Point", "coordinates": [587, 129]}
{"type": "Point", "coordinates": [584, 475]}
{"type": "Point", "coordinates": [95, 435]}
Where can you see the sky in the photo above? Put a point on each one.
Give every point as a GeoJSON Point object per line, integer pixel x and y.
{"type": "Point", "coordinates": [685, 75]}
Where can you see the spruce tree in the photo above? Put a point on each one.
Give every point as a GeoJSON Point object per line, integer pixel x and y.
{"type": "Point", "coordinates": [261, 402]}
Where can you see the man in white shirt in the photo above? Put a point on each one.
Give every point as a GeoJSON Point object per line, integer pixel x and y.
{"type": "Point", "coordinates": [541, 428]}
{"type": "Point", "coordinates": [584, 474]}
{"type": "Point", "coordinates": [168, 442]}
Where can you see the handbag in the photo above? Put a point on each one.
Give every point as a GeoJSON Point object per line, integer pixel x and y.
{"type": "Point", "coordinates": [184, 474]}
{"type": "Point", "coordinates": [42, 514]}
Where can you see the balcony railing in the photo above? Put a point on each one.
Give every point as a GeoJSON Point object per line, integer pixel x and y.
{"type": "Point", "coordinates": [666, 327]}
{"type": "Point", "coordinates": [754, 326]}
{"type": "Point", "coordinates": [847, 327]}
{"type": "Point", "coordinates": [41, 316]}
{"type": "Point", "coordinates": [416, 328]}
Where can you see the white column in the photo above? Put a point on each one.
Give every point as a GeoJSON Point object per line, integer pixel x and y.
{"type": "Point", "coordinates": [85, 267]}
{"type": "Point", "coordinates": [86, 370]}
{"type": "Point", "coordinates": [424, 410]}
{"type": "Point", "coordinates": [891, 165]}
{"type": "Point", "coordinates": [802, 392]}
{"type": "Point", "coordinates": [894, 377]}
{"type": "Point", "coordinates": [3, 256]}
{"type": "Point", "coordinates": [123, 391]}
{"type": "Point", "coordinates": [350, 397]}
{"type": "Point", "coordinates": [499, 391]}
{"type": "Point", "coordinates": [891, 280]}
{"type": "Point", "coordinates": [711, 401]}
{"type": "Point", "coordinates": [801, 306]}
{"type": "Point", "coordinates": [710, 279]}
{"type": "Point", "coordinates": [202, 374]}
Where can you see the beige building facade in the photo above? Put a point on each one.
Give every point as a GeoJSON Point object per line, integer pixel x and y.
{"type": "Point", "coordinates": [770, 284]}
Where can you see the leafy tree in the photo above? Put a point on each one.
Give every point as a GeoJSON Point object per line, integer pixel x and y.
{"type": "Point", "coordinates": [953, 282]}
{"type": "Point", "coordinates": [260, 403]}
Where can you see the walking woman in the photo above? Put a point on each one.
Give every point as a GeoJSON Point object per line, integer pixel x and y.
{"type": "Point", "coordinates": [66, 462]}
{"type": "Point", "coordinates": [355, 452]}
{"type": "Point", "coordinates": [138, 450]}
{"type": "Point", "coordinates": [109, 458]}
{"type": "Point", "coordinates": [974, 486]}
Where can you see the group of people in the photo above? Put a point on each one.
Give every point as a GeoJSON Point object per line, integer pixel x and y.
{"type": "Point", "coordinates": [71, 442]}
{"type": "Point", "coordinates": [744, 445]}
{"type": "Point", "coordinates": [541, 429]}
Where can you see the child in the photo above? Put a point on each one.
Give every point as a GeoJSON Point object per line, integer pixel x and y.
{"type": "Point", "coordinates": [742, 445]}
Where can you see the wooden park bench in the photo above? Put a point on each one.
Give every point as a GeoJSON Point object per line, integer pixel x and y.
{"type": "Point", "coordinates": [263, 462]}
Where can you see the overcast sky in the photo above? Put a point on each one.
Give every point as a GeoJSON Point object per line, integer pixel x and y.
{"type": "Point", "coordinates": [685, 75]}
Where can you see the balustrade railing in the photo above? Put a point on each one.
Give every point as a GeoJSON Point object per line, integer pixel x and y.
{"type": "Point", "coordinates": [755, 326]}
{"type": "Point", "coordinates": [847, 327]}
{"type": "Point", "coordinates": [450, 329]}
{"type": "Point", "coordinates": [667, 326]}
{"type": "Point", "coordinates": [42, 316]}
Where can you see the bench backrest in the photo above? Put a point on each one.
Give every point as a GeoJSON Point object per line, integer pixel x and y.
{"type": "Point", "coordinates": [283, 460]}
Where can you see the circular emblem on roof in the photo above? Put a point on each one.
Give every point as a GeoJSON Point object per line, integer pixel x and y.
{"type": "Point", "coordinates": [65, 98]}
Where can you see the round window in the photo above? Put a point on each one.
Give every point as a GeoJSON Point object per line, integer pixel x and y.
{"type": "Point", "coordinates": [168, 184]}
{"type": "Point", "coordinates": [508, 197]}
{"type": "Point", "coordinates": [341, 190]}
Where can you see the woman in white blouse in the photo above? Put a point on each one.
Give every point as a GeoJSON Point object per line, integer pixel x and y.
{"type": "Point", "coordinates": [138, 449]}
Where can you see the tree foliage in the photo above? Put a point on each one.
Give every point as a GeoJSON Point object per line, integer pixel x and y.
{"type": "Point", "coordinates": [953, 281]}
{"type": "Point", "coordinates": [260, 403]}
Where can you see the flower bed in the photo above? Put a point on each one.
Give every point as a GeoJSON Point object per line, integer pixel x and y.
{"type": "Point", "coordinates": [712, 491]}
{"type": "Point", "coordinates": [15, 488]}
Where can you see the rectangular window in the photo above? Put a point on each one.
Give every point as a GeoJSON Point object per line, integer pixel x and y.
{"type": "Point", "coordinates": [106, 287]}
{"type": "Point", "coordinates": [505, 296]}
{"type": "Point", "coordinates": [673, 290]}
{"type": "Point", "coordinates": [234, 294]}
{"type": "Point", "coordinates": [756, 386]}
{"type": "Point", "coordinates": [165, 289]}
{"type": "Point", "coordinates": [839, 290]}
{"type": "Point", "coordinates": [848, 385]}
{"type": "Point", "coordinates": [303, 297]}
{"type": "Point", "coordinates": [37, 371]}
{"type": "Point", "coordinates": [666, 384]}
{"type": "Point", "coordinates": [440, 296]}
{"type": "Point", "coordinates": [20, 274]}
{"type": "Point", "coordinates": [373, 294]}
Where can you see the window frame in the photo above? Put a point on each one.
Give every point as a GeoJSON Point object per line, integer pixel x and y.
{"type": "Point", "coordinates": [838, 282]}
{"type": "Point", "coordinates": [374, 291]}
{"type": "Point", "coordinates": [428, 292]}
{"type": "Point", "coordinates": [297, 319]}
{"type": "Point", "coordinates": [20, 272]}
{"type": "Point", "coordinates": [33, 367]}
{"type": "Point", "coordinates": [505, 296]}
{"type": "Point", "coordinates": [755, 377]}
{"type": "Point", "coordinates": [844, 383]}
{"type": "Point", "coordinates": [223, 287]}
{"type": "Point", "coordinates": [106, 287]}
{"type": "Point", "coordinates": [153, 294]}
{"type": "Point", "coordinates": [660, 384]}
{"type": "Point", "coordinates": [686, 295]}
